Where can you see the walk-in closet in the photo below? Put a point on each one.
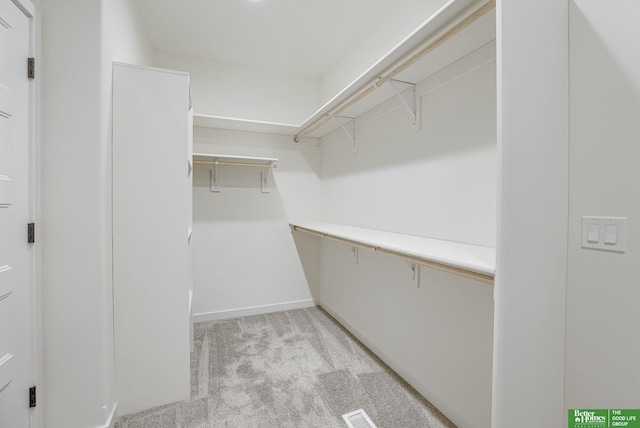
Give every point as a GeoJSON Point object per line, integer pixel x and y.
{"type": "Point", "coordinates": [380, 207]}
{"type": "Point", "coordinates": [329, 214]}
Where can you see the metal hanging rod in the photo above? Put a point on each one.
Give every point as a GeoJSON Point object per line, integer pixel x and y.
{"type": "Point", "coordinates": [470, 19]}
{"type": "Point", "coordinates": [226, 163]}
{"type": "Point", "coordinates": [488, 279]}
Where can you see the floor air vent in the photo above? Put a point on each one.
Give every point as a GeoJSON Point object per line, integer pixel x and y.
{"type": "Point", "coordinates": [358, 419]}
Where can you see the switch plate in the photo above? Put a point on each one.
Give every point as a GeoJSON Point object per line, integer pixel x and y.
{"type": "Point", "coordinates": [604, 233]}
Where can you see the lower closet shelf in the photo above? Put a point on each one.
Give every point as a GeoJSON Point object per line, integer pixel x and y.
{"type": "Point", "coordinates": [472, 261]}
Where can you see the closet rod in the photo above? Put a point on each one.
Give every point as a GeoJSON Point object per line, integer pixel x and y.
{"type": "Point", "coordinates": [488, 279]}
{"type": "Point", "coordinates": [470, 19]}
{"type": "Point", "coordinates": [221, 163]}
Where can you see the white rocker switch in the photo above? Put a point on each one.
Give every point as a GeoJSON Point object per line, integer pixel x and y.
{"type": "Point", "coordinates": [611, 234]}
{"type": "Point", "coordinates": [593, 233]}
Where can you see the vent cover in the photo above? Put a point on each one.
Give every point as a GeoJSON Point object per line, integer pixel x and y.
{"type": "Point", "coordinates": [358, 419]}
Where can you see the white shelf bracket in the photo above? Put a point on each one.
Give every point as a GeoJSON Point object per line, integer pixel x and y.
{"type": "Point", "coordinates": [266, 177]}
{"type": "Point", "coordinates": [213, 173]}
{"type": "Point", "coordinates": [356, 254]}
{"type": "Point", "coordinates": [414, 274]}
{"type": "Point", "coordinates": [413, 110]}
{"type": "Point", "coordinates": [346, 131]}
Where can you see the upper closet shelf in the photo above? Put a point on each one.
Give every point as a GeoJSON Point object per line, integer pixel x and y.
{"type": "Point", "coordinates": [207, 121]}
{"type": "Point", "coordinates": [215, 160]}
{"type": "Point", "coordinates": [454, 31]}
{"type": "Point", "coordinates": [468, 260]}
{"type": "Point", "coordinates": [457, 29]}
{"type": "Point", "coordinates": [234, 160]}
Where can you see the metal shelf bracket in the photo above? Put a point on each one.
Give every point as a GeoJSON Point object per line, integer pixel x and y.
{"type": "Point", "coordinates": [413, 108]}
{"type": "Point", "coordinates": [352, 136]}
{"type": "Point", "coordinates": [356, 254]}
{"type": "Point", "coordinates": [415, 274]}
{"type": "Point", "coordinates": [213, 173]}
{"type": "Point", "coordinates": [266, 177]}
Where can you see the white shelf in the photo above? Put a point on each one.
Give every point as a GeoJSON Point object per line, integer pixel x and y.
{"type": "Point", "coordinates": [207, 121]}
{"type": "Point", "coordinates": [254, 160]}
{"type": "Point", "coordinates": [460, 45]}
{"type": "Point", "coordinates": [469, 260]}
{"type": "Point", "coordinates": [214, 161]}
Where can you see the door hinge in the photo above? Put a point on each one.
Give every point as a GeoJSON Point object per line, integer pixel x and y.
{"type": "Point", "coordinates": [31, 233]}
{"type": "Point", "coordinates": [32, 397]}
{"type": "Point", "coordinates": [31, 68]}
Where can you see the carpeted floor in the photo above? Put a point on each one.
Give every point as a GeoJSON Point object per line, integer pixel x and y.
{"type": "Point", "coordinates": [288, 369]}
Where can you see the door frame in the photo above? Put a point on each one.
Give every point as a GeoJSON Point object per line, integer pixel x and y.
{"type": "Point", "coordinates": [36, 419]}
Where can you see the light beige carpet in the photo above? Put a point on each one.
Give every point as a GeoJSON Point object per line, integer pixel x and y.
{"type": "Point", "coordinates": [297, 369]}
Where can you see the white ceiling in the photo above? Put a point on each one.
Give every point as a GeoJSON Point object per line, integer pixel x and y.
{"type": "Point", "coordinates": [304, 37]}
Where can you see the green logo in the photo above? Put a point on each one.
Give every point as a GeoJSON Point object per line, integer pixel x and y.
{"type": "Point", "coordinates": [604, 418]}
{"type": "Point", "coordinates": [588, 418]}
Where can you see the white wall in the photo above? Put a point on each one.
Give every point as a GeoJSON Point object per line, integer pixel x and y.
{"type": "Point", "coordinates": [603, 349]}
{"type": "Point", "coordinates": [438, 337]}
{"type": "Point", "coordinates": [439, 182]}
{"type": "Point", "coordinates": [75, 247]}
{"type": "Point", "coordinates": [244, 254]}
{"type": "Point", "coordinates": [532, 215]}
{"type": "Point", "coordinates": [231, 90]}
{"type": "Point", "coordinates": [77, 300]}
{"type": "Point", "coordinates": [399, 22]}
{"type": "Point", "coordinates": [123, 40]}
{"type": "Point", "coordinates": [125, 31]}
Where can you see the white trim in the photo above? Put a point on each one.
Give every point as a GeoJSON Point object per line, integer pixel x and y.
{"type": "Point", "coordinates": [25, 7]}
{"type": "Point", "coordinates": [37, 417]}
{"type": "Point", "coordinates": [209, 121]}
{"type": "Point", "coordinates": [412, 379]}
{"type": "Point", "coordinates": [111, 420]}
{"type": "Point", "coordinates": [255, 310]}
{"type": "Point", "coordinates": [146, 67]}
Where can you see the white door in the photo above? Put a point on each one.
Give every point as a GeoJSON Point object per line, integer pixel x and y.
{"type": "Point", "coordinates": [17, 371]}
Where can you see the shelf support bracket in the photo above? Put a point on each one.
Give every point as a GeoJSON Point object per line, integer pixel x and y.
{"type": "Point", "coordinates": [213, 173]}
{"type": "Point", "coordinates": [356, 255]}
{"type": "Point", "coordinates": [412, 110]}
{"type": "Point", "coordinates": [415, 274]}
{"type": "Point", "coordinates": [351, 136]}
{"type": "Point", "coordinates": [265, 177]}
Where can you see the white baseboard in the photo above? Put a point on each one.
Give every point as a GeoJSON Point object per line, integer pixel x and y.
{"type": "Point", "coordinates": [111, 419]}
{"type": "Point", "coordinates": [453, 414]}
{"type": "Point", "coordinates": [255, 310]}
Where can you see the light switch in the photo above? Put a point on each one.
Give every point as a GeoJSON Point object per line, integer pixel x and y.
{"type": "Point", "coordinates": [604, 233]}
{"type": "Point", "coordinates": [593, 233]}
{"type": "Point", "coordinates": [610, 234]}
